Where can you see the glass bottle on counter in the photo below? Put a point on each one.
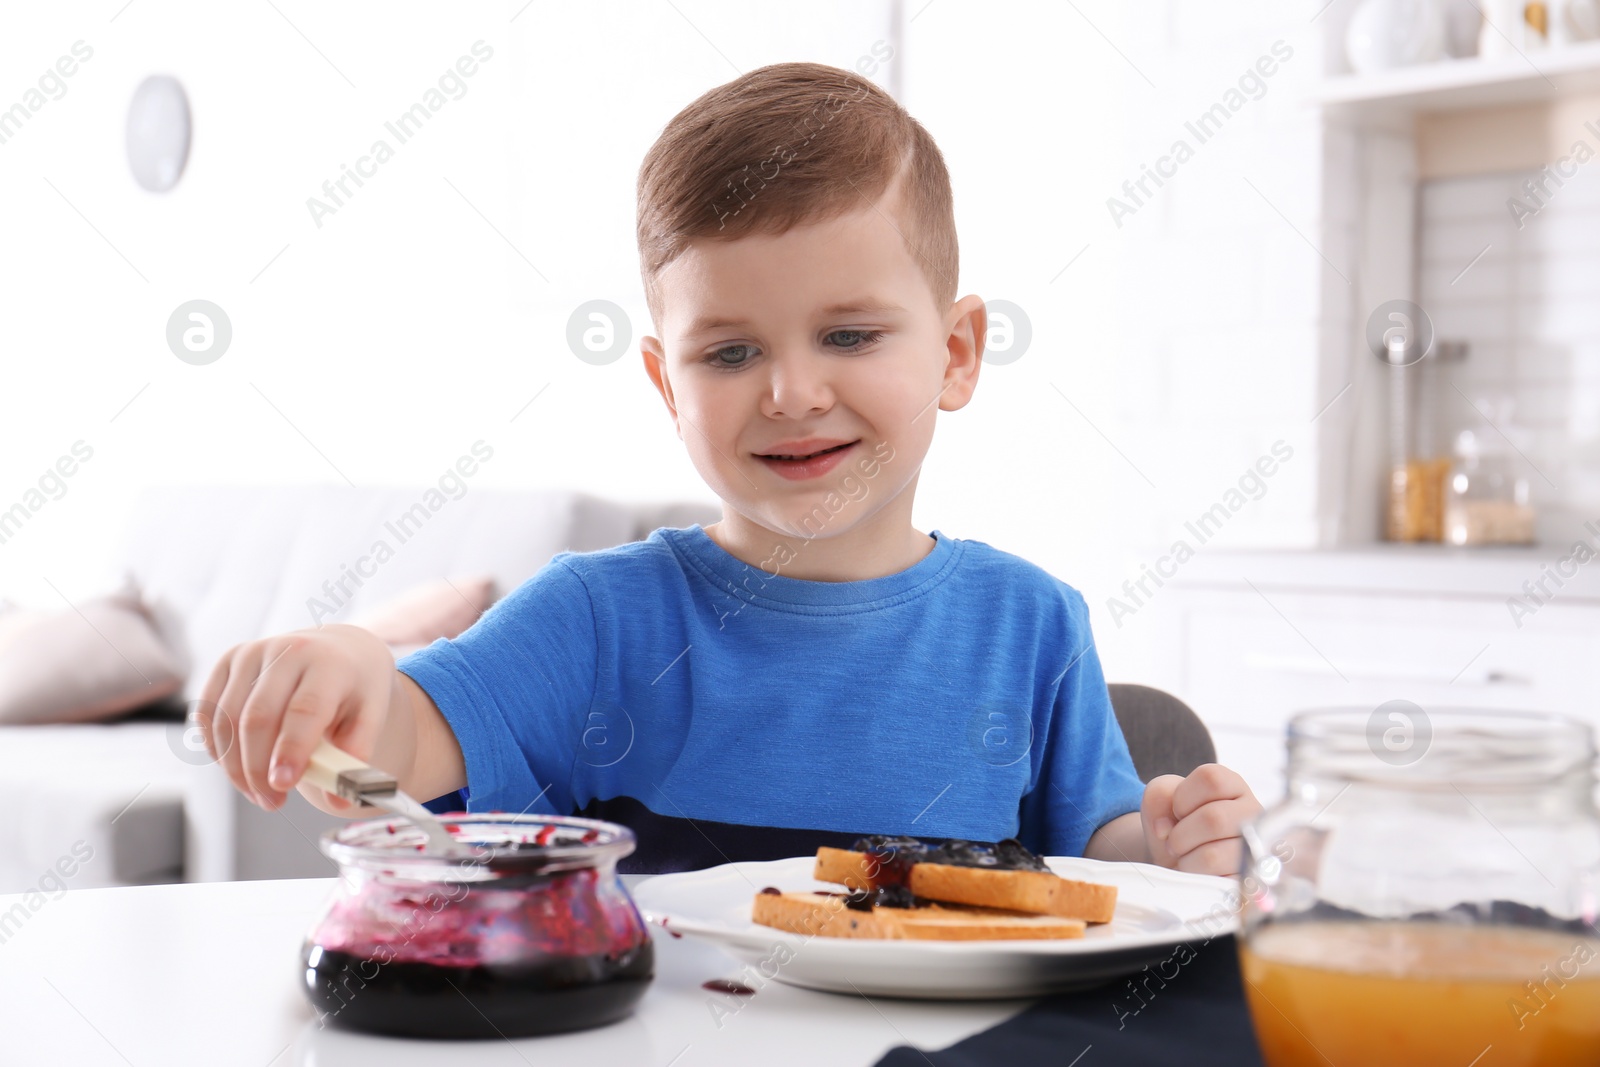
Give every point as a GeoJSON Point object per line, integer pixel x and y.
{"type": "Point", "coordinates": [1419, 463]}
{"type": "Point", "coordinates": [1486, 501]}
{"type": "Point", "coordinates": [1403, 513]}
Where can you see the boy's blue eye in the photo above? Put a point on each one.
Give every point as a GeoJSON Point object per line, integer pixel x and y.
{"type": "Point", "coordinates": [857, 339]}
{"type": "Point", "coordinates": [865, 337]}
{"type": "Point", "coordinates": [715, 361]}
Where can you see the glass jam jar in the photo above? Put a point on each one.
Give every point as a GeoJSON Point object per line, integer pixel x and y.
{"type": "Point", "coordinates": [529, 931]}
{"type": "Point", "coordinates": [1426, 892]}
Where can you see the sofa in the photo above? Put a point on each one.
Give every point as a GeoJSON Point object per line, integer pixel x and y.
{"type": "Point", "coordinates": [136, 800]}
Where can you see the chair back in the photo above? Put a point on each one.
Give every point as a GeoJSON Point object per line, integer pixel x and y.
{"type": "Point", "coordinates": [1164, 735]}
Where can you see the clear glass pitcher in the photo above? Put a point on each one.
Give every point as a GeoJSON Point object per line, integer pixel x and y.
{"type": "Point", "coordinates": [1425, 893]}
{"type": "Point", "coordinates": [528, 931]}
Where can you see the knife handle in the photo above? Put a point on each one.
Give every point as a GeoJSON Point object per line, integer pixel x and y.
{"type": "Point", "coordinates": [333, 770]}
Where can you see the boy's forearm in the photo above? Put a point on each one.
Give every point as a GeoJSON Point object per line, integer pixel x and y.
{"type": "Point", "coordinates": [1120, 839]}
{"type": "Point", "coordinates": [417, 745]}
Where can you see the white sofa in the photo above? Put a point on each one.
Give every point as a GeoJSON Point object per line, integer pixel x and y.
{"type": "Point", "coordinates": [223, 565]}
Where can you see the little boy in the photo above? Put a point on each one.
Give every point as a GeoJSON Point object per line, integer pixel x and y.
{"type": "Point", "coordinates": [810, 668]}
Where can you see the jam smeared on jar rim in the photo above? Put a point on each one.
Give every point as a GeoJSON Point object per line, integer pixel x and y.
{"type": "Point", "coordinates": [890, 859]}
{"type": "Point", "coordinates": [527, 837]}
{"type": "Point", "coordinates": [726, 985]}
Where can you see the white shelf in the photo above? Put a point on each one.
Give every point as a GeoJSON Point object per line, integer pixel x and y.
{"type": "Point", "coordinates": [1456, 84]}
{"type": "Point", "coordinates": [1492, 573]}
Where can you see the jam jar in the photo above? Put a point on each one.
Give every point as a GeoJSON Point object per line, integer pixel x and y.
{"type": "Point", "coordinates": [527, 931]}
{"type": "Point", "coordinates": [1426, 892]}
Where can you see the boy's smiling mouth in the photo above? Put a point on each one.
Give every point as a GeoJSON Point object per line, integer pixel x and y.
{"type": "Point", "coordinates": [809, 458]}
{"type": "Point", "coordinates": [805, 449]}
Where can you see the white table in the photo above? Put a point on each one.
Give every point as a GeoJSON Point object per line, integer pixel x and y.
{"type": "Point", "coordinates": [161, 976]}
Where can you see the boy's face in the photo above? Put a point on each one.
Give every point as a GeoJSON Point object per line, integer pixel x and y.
{"type": "Point", "coordinates": [825, 334]}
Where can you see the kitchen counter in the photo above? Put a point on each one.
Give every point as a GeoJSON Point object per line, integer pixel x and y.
{"type": "Point", "coordinates": [1428, 569]}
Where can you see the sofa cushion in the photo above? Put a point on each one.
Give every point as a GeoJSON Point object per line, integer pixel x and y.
{"type": "Point", "coordinates": [85, 663]}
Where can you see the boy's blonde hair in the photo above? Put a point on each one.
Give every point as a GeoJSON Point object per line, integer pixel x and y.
{"type": "Point", "coordinates": [787, 144]}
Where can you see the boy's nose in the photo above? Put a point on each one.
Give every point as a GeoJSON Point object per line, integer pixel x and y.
{"type": "Point", "coordinates": [798, 384]}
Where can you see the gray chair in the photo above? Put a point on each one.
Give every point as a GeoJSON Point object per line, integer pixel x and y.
{"type": "Point", "coordinates": [1164, 735]}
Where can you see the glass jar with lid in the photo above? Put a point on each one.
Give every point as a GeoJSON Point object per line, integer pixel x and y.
{"type": "Point", "coordinates": [1425, 893]}
{"type": "Point", "coordinates": [1486, 498]}
{"type": "Point", "coordinates": [527, 931]}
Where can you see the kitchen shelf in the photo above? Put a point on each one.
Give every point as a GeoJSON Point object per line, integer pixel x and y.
{"type": "Point", "coordinates": [1458, 84]}
{"type": "Point", "coordinates": [1492, 572]}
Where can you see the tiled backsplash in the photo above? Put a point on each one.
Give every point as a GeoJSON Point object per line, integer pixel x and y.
{"type": "Point", "coordinates": [1516, 274]}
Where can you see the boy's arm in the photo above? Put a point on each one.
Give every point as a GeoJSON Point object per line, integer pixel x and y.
{"type": "Point", "coordinates": [1120, 839]}
{"type": "Point", "coordinates": [419, 743]}
{"type": "Point", "coordinates": [414, 743]}
{"type": "Point", "coordinates": [1186, 823]}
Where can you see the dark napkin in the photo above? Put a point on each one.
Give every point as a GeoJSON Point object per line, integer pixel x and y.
{"type": "Point", "coordinates": [1187, 1009]}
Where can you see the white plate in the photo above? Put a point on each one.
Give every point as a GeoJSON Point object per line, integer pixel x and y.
{"type": "Point", "coordinates": [1157, 909]}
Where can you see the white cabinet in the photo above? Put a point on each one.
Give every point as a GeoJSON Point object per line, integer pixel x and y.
{"type": "Point", "coordinates": [1323, 629]}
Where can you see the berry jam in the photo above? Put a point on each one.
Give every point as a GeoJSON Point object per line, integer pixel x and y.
{"type": "Point", "coordinates": [430, 1000]}
{"type": "Point", "coordinates": [882, 896]}
{"type": "Point", "coordinates": [499, 944]}
{"type": "Point", "coordinates": [726, 985]}
{"type": "Point", "coordinates": [890, 859]}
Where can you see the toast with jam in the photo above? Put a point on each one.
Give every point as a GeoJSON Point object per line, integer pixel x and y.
{"type": "Point", "coordinates": [1003, 875]}
{"type": "Point", "coordinates": [902, 888]}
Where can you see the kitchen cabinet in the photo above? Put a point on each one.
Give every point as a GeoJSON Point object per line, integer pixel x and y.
{"type": "Point", "coordinates": [1253, 637]}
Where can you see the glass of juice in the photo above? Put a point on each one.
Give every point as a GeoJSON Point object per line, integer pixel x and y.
{"type": "Point", "coordinates": [1426, 892]}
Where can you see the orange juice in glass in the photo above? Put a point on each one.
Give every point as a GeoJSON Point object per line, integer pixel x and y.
{"type": "Point", "coordinates": [1425, 893]}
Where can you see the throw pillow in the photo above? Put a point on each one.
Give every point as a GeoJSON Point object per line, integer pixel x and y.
{"type": "Point", "coordinates": [82, 664]}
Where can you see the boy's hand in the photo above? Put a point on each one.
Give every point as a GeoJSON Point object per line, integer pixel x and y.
{"type": "Point", "coordinates": [268, 703]}
{"type": "Point", "coordinates": [1192, 824]}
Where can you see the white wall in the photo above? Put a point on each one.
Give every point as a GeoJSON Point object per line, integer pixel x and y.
{"type": "Point", "coordinates": [1184, 338]}
{"type": "Point", "coordinates": [380, 345]}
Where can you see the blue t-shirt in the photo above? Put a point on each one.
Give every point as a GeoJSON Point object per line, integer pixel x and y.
{"type": "Point", "coordinates": [726, 712]}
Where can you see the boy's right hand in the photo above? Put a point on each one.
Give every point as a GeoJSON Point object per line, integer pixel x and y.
{"type": "Point", "coordinates": [268, 703]}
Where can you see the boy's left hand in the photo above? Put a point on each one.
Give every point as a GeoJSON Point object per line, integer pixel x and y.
{"type": "Point", "coordinates": [1192, 824]}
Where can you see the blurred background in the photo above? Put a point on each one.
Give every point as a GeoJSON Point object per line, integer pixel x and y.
{"type": "Point", "coordinates": [1294, 362]}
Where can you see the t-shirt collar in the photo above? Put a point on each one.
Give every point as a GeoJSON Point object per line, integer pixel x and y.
{"type": "Point", "coordinates": [768, 585]}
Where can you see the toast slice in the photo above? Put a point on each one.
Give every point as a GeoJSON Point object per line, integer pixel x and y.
{"type": "Point", "coordinates": [827, 915]}
{"type": "Point", "coordinates": [1031, 892]}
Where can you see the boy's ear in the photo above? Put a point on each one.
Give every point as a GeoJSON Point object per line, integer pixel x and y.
{"type": "Point", "coordinates": [968, 332]}
{"type": "Point", "coordinates": [655, 365]}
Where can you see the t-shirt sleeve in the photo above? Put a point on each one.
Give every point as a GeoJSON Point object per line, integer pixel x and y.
{"type": "Point", "coordinates": [1086, 776]}
{"type": "Point", "coordinates": [514, 689]}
